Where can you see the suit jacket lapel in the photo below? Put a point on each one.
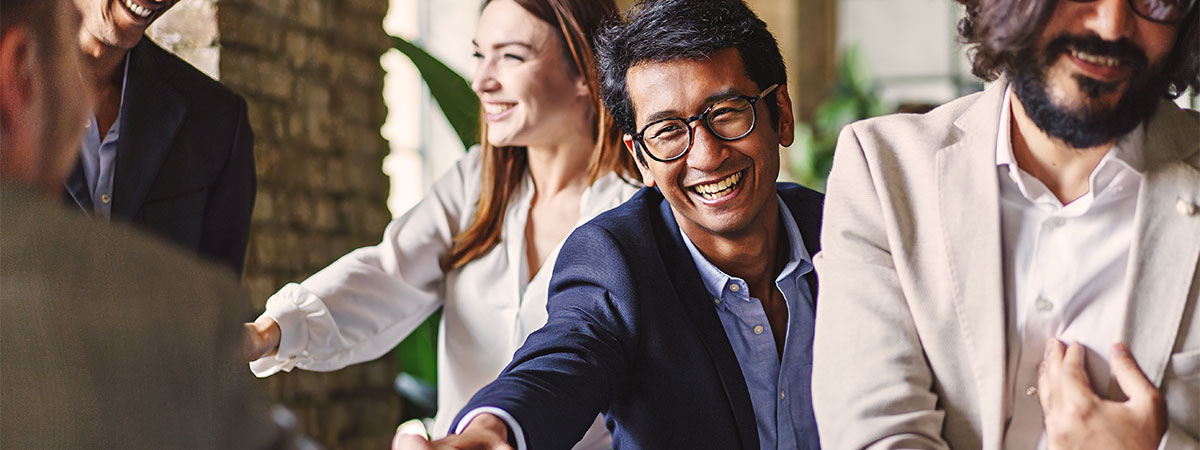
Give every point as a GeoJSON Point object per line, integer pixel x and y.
{"type": "Point", "coordinates": [698, 305]}
{"type": "Point", "coordinates": [1165, 251]}
{"type": "Point", "coordinates": [77, 189]}
{"type": "Point", "coordinates": [150, 116]}
{"type": "Point", "coordinates": [969, 204]}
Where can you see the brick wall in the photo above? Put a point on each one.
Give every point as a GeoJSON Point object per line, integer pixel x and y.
{"type": "Point", "coordinates": [310, 71]}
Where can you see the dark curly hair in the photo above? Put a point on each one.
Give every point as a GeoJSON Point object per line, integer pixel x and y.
{"type": "Point", "coordinates": [1000, 31]}
{"type": "Point", "coordinates": [670, 30]}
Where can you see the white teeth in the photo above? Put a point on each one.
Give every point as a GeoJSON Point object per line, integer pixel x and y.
{"type": "Point", "coordinates": [716, 190]}
{"type": "Point", "coordinates": [137, 9]}
{"type": "Point", "coordinates": [497, 108]}
{"type": "Point", "coordinates": [1098, 60]}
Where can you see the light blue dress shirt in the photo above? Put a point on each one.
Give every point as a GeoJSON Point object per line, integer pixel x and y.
{"type": "Point", "coordinates": [770, 379]}
{"type": "Point", "coordinates": [99, 157]}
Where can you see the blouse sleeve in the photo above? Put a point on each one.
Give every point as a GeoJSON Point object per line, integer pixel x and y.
{"type": "Point", "coordinates": [366, 302]}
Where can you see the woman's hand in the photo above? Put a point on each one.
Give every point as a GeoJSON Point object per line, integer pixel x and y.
{"type": "Point", "coordinates": [260, 338]}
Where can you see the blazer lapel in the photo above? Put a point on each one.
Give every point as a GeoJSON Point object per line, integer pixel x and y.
{"type": "Point", "coordinates": [697, 304]}
{"type": "Point", "coordinates": [969, 204]}
{"type": "Point", "coordinates": [77, 189]}
{"type": "Point", "coordinates": [1166, 249]}
{"type": "Point", "coordinates": [150, 116]}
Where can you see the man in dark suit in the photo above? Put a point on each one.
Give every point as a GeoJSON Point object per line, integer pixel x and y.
{"type": "Point", "coordinates": [166, 147]}
{"type": "Point", "coordinates": [685, 315]}
{"type": "Point", "coordinates": [86, 361]}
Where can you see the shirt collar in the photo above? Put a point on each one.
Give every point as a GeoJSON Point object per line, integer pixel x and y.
{"type": "Point", "coordinates": [1125, 155]}
{"type": "Point", "coordinates": [717, 281]}
{"type": "Point", "coordinates": [115, 130]}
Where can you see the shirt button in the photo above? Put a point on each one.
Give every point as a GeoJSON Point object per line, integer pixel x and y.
{"type": "Point", "coordinates": [782, 394]}
{"type": "Point", "coordinates": [716, 301]}
{"type": "Point", "coordinates": [1056, 222]}
{"type": "Point", "coordinates": [733, 287]}
{"type": "Point", "coordinates": [1031, 391]}
{"type": "Point", "coordinates": [104, 198]}
{"type": "Point", "coordinates": [1044, 305]}
{"type": "Point", "coordinates": [758, 329]}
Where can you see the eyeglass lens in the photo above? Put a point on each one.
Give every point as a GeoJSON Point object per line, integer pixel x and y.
{"type": "Point", "coordinates": [1163, 10]}
{"type": "Point", "coordinates": [728, 119]}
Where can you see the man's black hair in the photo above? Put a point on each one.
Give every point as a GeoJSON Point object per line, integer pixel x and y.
{"type": "Point", "coordinates": [669, 30]}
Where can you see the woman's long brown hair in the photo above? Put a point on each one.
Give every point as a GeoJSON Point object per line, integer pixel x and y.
{"type": "Point", "coordinates": [577, 22]}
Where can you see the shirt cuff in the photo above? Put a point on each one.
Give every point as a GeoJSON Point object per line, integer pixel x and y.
{"type": "Point", "coordinates": [287, 309]}
{"type": "Point", "coordinates": [514, 428]}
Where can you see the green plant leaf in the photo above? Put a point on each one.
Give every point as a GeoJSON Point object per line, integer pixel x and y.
{"type": "Point", "coordinates": [417, 353]}
{"type": "Point", "coordinates": [853, 97]}
{"type": "Point", "coordinates": [450, 90]}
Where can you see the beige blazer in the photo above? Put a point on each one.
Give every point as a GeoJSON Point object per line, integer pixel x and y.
{"type": "Point", "coordinates": [909, 349]}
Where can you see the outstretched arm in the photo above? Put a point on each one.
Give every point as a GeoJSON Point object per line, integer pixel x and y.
{"type": "Point", "coordinates": [363, 304]}
{"type": "Point", "coordinates": [570, 369]}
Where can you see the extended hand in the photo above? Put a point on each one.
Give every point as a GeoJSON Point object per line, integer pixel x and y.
{"type": "Point", "coordinates": [485, 432]}
{"type": "Point", "coordinates": [260, 338]}
{"type": "Point", "coordinates": [1077, 418]}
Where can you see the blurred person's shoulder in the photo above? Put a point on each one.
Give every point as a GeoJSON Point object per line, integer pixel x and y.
{"type": "Point", "coordinates": [108, 330]}
{"type": "Point", "coordinates": [43, 234]}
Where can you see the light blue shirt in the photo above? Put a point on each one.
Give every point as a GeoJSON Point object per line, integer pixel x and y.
{"type": "Point", "coordinates": [779, 388]}
{"type": "Point", "coordinates": [99, 157]}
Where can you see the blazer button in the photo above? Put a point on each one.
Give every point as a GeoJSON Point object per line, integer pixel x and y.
{"type": "Point", "coordinates": [104, 198]}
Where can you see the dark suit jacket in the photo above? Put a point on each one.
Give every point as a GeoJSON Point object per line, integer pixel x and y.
{"type": "Point", "coordinates": [185, 162]}
{"type": "Point", "coordinates": [110, 339]}
{"type": "Point", "coordinates": [633, 333]}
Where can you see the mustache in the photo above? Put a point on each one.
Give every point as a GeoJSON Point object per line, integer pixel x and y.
{"type": "Point", "coordinates": [1124, 50]}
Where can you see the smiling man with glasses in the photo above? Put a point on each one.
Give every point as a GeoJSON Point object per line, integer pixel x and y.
{"type": "Point", "coordinates": [685, 315]}
{"type": "Point", "coordinates": [1020, 268]}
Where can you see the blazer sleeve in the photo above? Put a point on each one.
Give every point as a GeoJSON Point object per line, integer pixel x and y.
{"type": "Point", "coordinates": [572, 368]}
{"type": "Point", "coordinates": [871, 383]}
{"type": "Point", "coordinates": [226, 227]}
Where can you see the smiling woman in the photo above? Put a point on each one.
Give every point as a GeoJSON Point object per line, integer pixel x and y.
{"type": "Point", "coordinates": [482, 244]}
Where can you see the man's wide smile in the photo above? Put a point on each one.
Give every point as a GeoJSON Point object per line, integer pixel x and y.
{"type": "Point", "coordinates": [1098, 67]}
{"type": "Point", "coordinates": [719, 189]}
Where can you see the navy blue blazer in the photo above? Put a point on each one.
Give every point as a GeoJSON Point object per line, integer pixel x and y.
{"type": "Point", "coordinates": [633, 333]}
{"type": "Point", "coordinates": [185, 161]}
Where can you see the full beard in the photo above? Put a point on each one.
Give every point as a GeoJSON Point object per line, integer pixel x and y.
{"type": "Point", "coordinates": [1088, 126]}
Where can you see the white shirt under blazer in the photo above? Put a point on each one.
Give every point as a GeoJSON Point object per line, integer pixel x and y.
{"type": "Point", "coordinates": [911, 343]}
{"type": "Point", "coordinates": [1064, 271]}
{"type": "Point", "coordinates": [361, 306]}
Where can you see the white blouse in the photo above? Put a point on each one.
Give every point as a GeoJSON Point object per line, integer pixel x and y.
{"type": "Point", "coordinates": [361, 306]}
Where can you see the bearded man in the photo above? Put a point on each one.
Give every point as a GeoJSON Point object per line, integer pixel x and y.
{"type": "Point", "coordinates": [1018, 268]}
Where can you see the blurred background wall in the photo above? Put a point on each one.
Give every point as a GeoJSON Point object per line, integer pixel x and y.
{"type": "Point", "coordinates": [310, 72]}
{"type": "Point", "coordinates": [347, 135]}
